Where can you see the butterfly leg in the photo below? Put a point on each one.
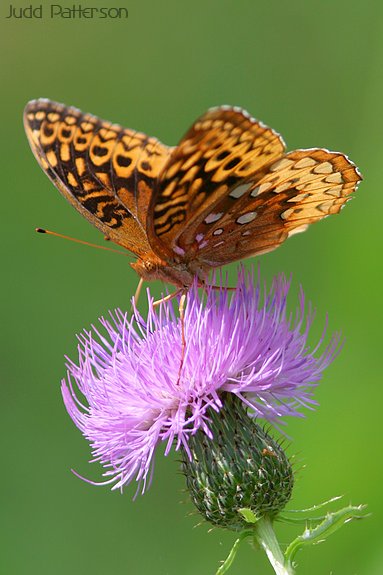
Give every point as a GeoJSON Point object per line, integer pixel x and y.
{"type": "Point", "coordinates": [168, 297]}
{"type": "Point", "coordinates": [217, 288]}
{"type": "Point", "coordinates": [138, 291]}
{"type": "Point", "coordinates": [181, 309]}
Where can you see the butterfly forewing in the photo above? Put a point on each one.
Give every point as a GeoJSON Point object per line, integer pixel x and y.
{"type": "Point", "coordinates": [300, 188]}
{"type": "Point", "coordinates": [105, 171]}
{"type": "Point", "coordinates": [222, 150]}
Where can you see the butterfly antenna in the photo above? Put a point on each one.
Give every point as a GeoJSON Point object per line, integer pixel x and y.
{"type": "Point", "coordinates": [50, 233]}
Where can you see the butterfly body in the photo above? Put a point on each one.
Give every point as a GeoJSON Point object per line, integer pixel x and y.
{"type": "Point", "coordinates": [176, 273]}
{"type": "Point", "coordinates": [227, 191]}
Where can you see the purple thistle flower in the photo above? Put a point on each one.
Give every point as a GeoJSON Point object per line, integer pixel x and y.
{"type": "Point", "coordinates": [240, 341]}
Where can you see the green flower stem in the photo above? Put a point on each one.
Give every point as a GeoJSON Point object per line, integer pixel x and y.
{"type": "Point", "coordinates": [265, 536]}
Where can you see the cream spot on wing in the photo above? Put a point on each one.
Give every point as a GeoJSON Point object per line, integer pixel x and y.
{"type": "Point", "coordinates": [107, 134]}
{"type": "Point", "coordinates": [246, 233]}
{"type": "Point", "coordinates": [281, 165]}
{"type": "Point", "coordinates": [218, 232]}
{"type": "Point", "coordinates": [199, 238]}
{"type": "Point", "coordinates": [287, 213]}
{"type": "Point", "coordinates": [325, 206]}
{"type": "Point", "coordinates": [305, 163]}
{"type": "Point", "coordinates": [299, 198]}
{"type": "Point", "coordinates": [246, 218]}
{"type": "Point", "coordinates": [202, 245]}
{"type": "Point", "coordinates": [324, 168]}
{"type": "Point", "coordinates": [239, 191]}
{"type": "Point", "coordinates": [313, 186]}
{"type": "Point", "coordinates": [335, 191]}
{"type": "Point", "coordinates": [178, 250]}
{"type": "Point", "coordinates": [53, 116]}
{"type": "Point", "coordinates": [218, 244]}
{"type": "Point", "coordinates": [298, 230]}
{"type": "Point", "coordinates": [211, 218]}
{"type": "Point", "coordinates": [36, 136]}
{"type": "Point", "coordinates": [260, 189]}
{"type": "Point", "coordinates": [334, 178]}
{"type": "Point", "coordinates": [282, 187]}
{"type": "Point", "coordinates": [40, 115]}
{"type": "Point", "coordinates": [86, 126]}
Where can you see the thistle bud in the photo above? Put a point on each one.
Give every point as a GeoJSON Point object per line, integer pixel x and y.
{"type": "Point", "coordinates": [241, 467]}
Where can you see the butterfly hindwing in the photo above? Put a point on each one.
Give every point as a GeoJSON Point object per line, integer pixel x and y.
{"type": "Point", "coordinates": [223, 148]}
{"type": "Point", "coordinates": [106, 172]}
{"type": "Point", "coordinates": [300, 188]}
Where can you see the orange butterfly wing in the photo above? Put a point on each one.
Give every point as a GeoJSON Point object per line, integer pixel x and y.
{"type": "Point", "coordinates": [226, 192]}
{"type": "Point", "coordinates": [106, 172]}
{"type": "Point", "coordinates": [229, 192]}
{"type": "Point", "coordinates": [301, 188]}
{"type": "Point", "coordinates": [224, 148]}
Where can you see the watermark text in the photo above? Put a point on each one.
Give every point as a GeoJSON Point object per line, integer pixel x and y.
{"type": "Point", "coordinates": [59, 11]}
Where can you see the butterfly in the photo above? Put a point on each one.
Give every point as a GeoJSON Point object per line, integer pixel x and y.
{"type": "Point", "coordinates": [227, 191]}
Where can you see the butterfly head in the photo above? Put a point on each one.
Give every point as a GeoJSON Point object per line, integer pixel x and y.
{"type": "Point", "coordinates": [154, 268]}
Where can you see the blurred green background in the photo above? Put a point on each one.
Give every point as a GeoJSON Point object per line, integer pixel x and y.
{"type": "Point", "coordinates": [312, 71]}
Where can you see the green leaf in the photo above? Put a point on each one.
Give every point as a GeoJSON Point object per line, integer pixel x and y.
{"type": "Point", "coordinates": [316, 506]}
{"type": "Point", "coordinates": [233, 552]}
{"type": "Point", "coordinates": [331, 523]}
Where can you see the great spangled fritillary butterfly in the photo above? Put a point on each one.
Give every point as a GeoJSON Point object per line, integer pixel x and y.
{"type": "Point", "coordinates": [226, 192]}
